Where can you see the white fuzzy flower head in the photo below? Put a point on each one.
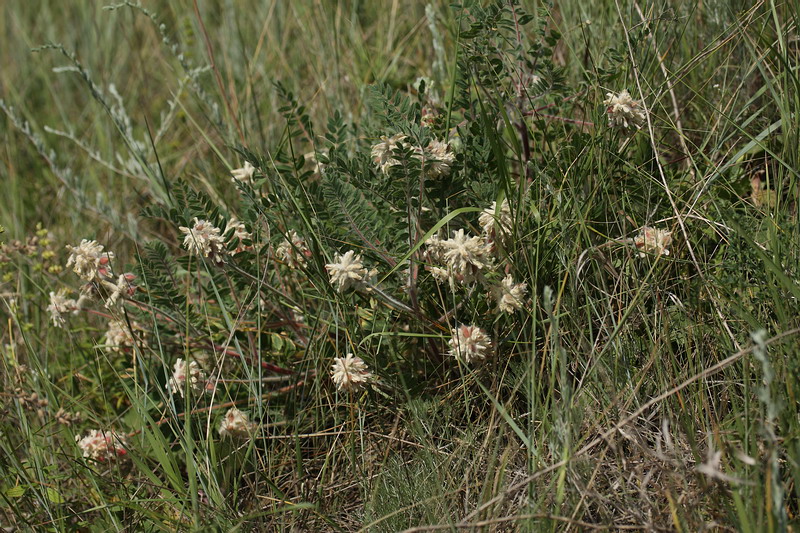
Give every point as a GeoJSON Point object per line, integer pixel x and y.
{"type": "Point", "coordinates": [118, 336]}
{"type": "Point", "coordinates": [60, 305]}
{"type": "Point", "coordinates": [236, 425]}
{"type": "Point", "coordinates": [624, 112]}
{"type": "Point", "coordinates": [509, 295]}
{"type": "Point", "coordinates": [466, 256]}
{"type": "Point", "coordinates": [204, 239]}
{"type": "Point", "coordinates": [441, 158]}
{"type": "Point", "coordinates": [382, 152]}
{"type": "Point", "coordinates": [244, 174]}
{"type": "Point", "coordinates": [350, 373]}
{"type": "Point", "coordinates": [469, 344]}
{"type": "Point", "coordinates": [103, 446]}
{"type": "Point", "coordinates": [653, 240]}
{"type": "Point", "coordinates": [293, 250]}
{"type": "Point", "coordinates": [89, 261]}
{"type": "Point", "coordinates": [187, 371]}
{"type": "Point", "coordinates": [496, 223]}
{"type": "Point", "coordinates": [346, 271]}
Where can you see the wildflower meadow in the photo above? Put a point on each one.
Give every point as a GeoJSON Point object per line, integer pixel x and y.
{"type": "Point", "coordinates": [484, 265]}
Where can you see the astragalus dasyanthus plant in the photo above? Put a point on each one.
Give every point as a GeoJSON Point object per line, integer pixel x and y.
{"type": "Point", "coordinates": [522, 292]}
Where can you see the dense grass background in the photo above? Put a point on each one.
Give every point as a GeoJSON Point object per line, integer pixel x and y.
{"type": "Point", "coordinates": [618, 386]}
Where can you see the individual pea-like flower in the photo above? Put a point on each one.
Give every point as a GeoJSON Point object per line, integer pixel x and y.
{"type": "Point", "coordinates": [496, 223]}
{"type": "Point", "coordinates": [469, 344]}
{"type": "Point", "coordinates": [347, 271]}
{"type": "Point", "coordinates": [239, 229]}
{"type": "Point", "coordinates": [116, 290]}
{"type": "Point", "coordinates": [240, 233]}
{"type": "Point", "coordinates": [653, 240]}
{"type": "Point", "coordinates": [441, 158]}
{"type": "Point", "coordinates": [103, 446]}
{"type": "Point", "coordinates": [350, 373]}
{"type": "Point", "coordinates": [60, 305]}
{"type": "Point", "coordinates": [382, 152]}
{"type": "Point", "coordinates": [293, 250]}
{"type": "Point", "coordinates": [191, 371]}
{"type": "Point", "coordinates": [118, 336]}
{"type": "Point", "coordinates": [236, 425]}
{"type": "Point", "coordinates": [509, 295]}
{"type": "Point", "coordinates": [624, 112]}
{"type": "Point", "coordinates": [205, 239]}
{"type": "Point", "coordinates": [89, 261]}
{"type": "Point", "coordinates": [244, 174]}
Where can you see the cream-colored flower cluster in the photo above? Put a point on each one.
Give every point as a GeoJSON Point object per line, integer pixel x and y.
{"type": "Point", "coordinates": [466, 259]}
{"type": "Point", "coordinates": [470, 344]}
{"type": "Point", "coordinates": [293, 251]}
{"type": "Point", "coordinates": [347, 271]}
{"type": "Point", "coordinates": [93, 265]}
{"type": "Point", "coordinates": [509, 296]}
{"type": "Point", "coordinates": [624, 112]}
{"type": "Point", "coordinates": [236, 425]}
{"type": "Point", "coordinates": [463, 258]}
{"type": "Point", "coordinates": [239, 233]}
{"type": "Point", "coordinates": [350, 373]}
{"type": "Point", "coordinates": [244, 174]}
{"type": "Point", "coordinates": [207, 240]}
{"type": "Point", "coordinates": [118, 336]}
{"type": "Point", "coordinates": [89, 261]}
{"type": "Point", "coordinates": [103, 446]}
{"type": "Point", "coordinates": [496, 223]}
{"type": "Point", "coordinates": [653, 240]}
{"type": "Point", "coordinates": [204, 239]}
{"type": "Point", "coordinates": [59, 306]}
{"type": "Point", "coordinates": [187, 371]}
{"type": "Point", "coordinates": [438, 155]}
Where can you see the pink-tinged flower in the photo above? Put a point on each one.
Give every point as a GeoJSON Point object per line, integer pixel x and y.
{"type": "Point", "coordinates": [293, 250]}
{"type": "Point", "coordinates": [350, 373]}
{"type": "Point", "coordinates": [383, 152]}
{"type": "Point", "coordinates": [653, 240]}
{"type": "Point", "coordinates": [103, 446]}
{"type": "Point", "coordinates": [236, 425]}
{"type": "Point", "coordinates": [89, 261]}
{"type": "Point", "coordinates": [205, 239]}
{"type": "Point", "coordinates": [183, 371]}
{"type": "Point", "coordinates": [469, 344]}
